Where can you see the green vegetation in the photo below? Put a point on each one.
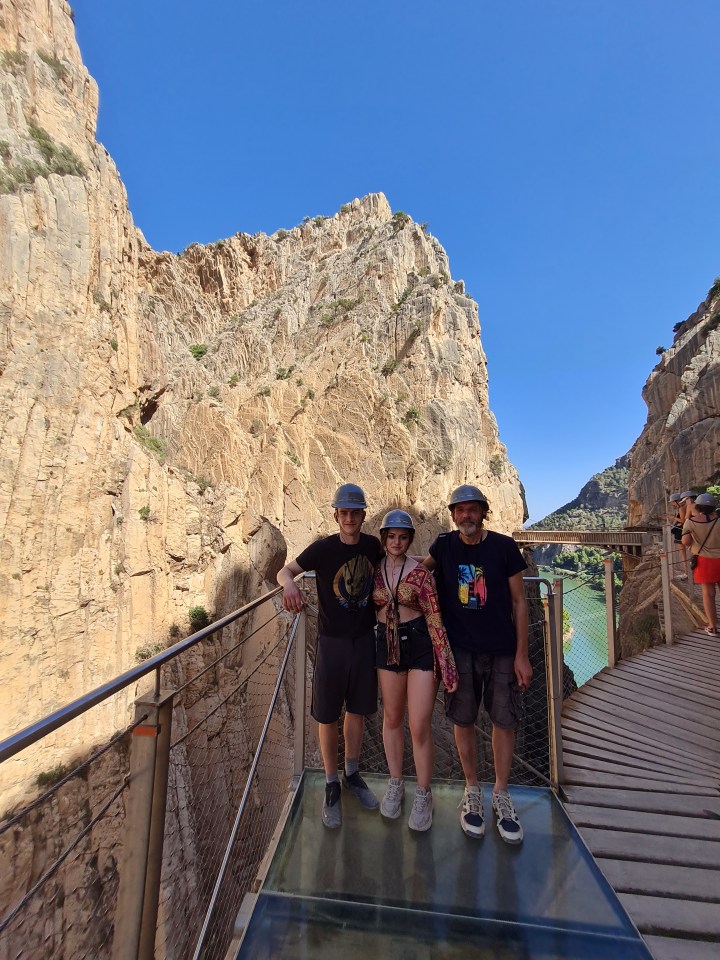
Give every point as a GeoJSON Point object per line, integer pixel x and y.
{"type": "Point", "coordinates": [114, 344]}
{"type": "Point", "coordinates": [293, 457]}
{"type": "Point", "coordinates": [14, 60]}
{"type": "Point", "coordinates": [234, 380]}
{"type": "Point", "coordinates": [659, 351]}
{"type": "Point", "coordinates": [148, 651]}
{"type": "Point", "coordinates": [155, 445]}
{"type": "Point", "coordinates": [118, 569]}
{"type": "Point", "coordinates": [264, 392]}
{"type": "Point", "coordinates": [198, 617]}
{"type": "Point", "coordinates": [412, 416]}
{"type": "Point", "coordinates": [310, 395]}
{"type": "Point", "coordinates": [174, 632]}
{"type": "Point", "coordinates": [442, 463]}
{"type": "Point", "coordinates": [282, 235]}
{"type": "Point", "coordinates": [198, 350]}
{"type": "Point", "coordinates": [496, 465]}
{"type": "Point", "coordinates": [714, 290]}
{"type": "Point", "coordinates": [389, 367]}
{"type": "Point", "coordinates": [346, 208]}
{"type": "Point", "coordinates": [255, 427]}
{"type": "Point", "coordinates": [57, 66]}
{"type": "Point", "coordinates": [403, 299]}
{"type": "Point", "coordinates": [399, 221]}
{"type": "Point", "coordinates": [52, 776]}
{"type": "Point", "coordinates": [203, 483]}
{"type": "Point", "coordinates": [214, 392]}
{"type": "Point", "coordinates": [57, 158]}
{"type": "Point", "coordinates": [144, 512]}
{"type": "Point", "coordinates": [100, 302]}
{"type": "Point", "coordinates": [336, 308]}
{"type": "Point", "coordinates": [284, 373]}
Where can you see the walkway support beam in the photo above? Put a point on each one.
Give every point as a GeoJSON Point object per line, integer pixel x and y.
{"type": "Point", "coordinates": [141, 864]}
{"type": "Point", "coordinates": [553, 613]}
{"type": "Point", "coordinates": [665, 576]}
{"type": "Point", "coordinates": [300, 687]}
{"type": "Point", "coordinates": [611, 613]}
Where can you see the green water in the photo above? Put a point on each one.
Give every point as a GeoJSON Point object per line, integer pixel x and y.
{"type": "Point", "coordinates": [585, 650]}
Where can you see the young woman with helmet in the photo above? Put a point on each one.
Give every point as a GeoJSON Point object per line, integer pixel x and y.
{"type": "Point", "coordinates": [701, 532]}
{"type": "Point", "coordinates": [413, 653]}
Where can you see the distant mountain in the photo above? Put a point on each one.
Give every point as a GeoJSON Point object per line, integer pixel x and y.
{"type": "Point", "coordinates": [600, 505]}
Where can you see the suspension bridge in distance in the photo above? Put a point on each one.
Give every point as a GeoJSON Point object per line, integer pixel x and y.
{"type": "Point", "coordinates": [633, 542]}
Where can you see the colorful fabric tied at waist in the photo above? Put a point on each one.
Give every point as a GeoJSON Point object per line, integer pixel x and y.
{"type": "Point", "coordinates": [392, 633]}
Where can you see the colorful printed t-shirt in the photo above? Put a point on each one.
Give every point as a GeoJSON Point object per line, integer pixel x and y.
{"type": "Point", "coordinates": [344, 583]}
{"type": "Point", "coordinates": [474, 592]}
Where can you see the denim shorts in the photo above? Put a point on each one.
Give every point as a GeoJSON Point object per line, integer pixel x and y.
{"type": "Point", "coordinates": [488, 679]}
{"type": "Point", "coordinates": [416, 652]}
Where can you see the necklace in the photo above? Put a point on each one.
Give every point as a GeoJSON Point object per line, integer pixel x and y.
{"type": "Point", "coordinates": [390, 580]}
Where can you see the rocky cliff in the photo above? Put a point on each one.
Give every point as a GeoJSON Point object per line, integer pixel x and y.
{"type": "Point", "coordinates": [163, 417]}
{"type": "Point", "coordinates": [679, 448]}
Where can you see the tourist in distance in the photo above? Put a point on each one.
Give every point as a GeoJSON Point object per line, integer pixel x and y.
{"type": "Point", "coordinates": [701, 532]}
{"type": "Point", "coordinates": [345, 658]}
{"type": "Point", "coordinates": [677, 519]}
{"type": "Point", "coordinates": [482, 601]}
{"type": "Point", "coordinates": [413, 654]}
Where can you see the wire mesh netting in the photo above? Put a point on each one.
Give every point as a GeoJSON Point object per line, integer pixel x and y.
{"type": "Point", "coordinates": [59, 857]}
{"type": "Point", "coordinates": [218, 718]}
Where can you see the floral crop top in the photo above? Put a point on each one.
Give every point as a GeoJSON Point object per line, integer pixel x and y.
{"type": "Point", "coordinates": [417, 590]}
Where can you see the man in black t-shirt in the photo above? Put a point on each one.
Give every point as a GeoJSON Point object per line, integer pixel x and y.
{"type": "Point", "coordinates": [482, 601]}
{"type": "Point", "coordinates": [345, 659]}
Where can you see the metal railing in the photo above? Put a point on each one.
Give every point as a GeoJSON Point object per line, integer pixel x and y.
{"type": "Point", "coordinates": [163, 831]}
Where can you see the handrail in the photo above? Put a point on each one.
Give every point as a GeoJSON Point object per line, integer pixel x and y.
{"type": "Point", "coordinates": [41, 728]}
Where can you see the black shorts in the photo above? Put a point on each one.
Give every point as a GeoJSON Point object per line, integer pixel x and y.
{"type": "Point", "coordinates": [416, 652]}
{"type": "Point", "coordinates": [344, 674]}
{"type": "Point", "coordinates": [488, 679]}
{"type": "Point", "coordinates": [677, 531]}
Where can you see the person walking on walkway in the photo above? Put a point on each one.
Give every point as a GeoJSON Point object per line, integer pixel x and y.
{"type": "Point", "coordinates": [482, 601]}
{"type": "Point", "coordinates": [701, 532]}
{"type": "Point", "coordinates": [677, 519]}
{"type": "Point", "coordinates": [413, 654]}
{"type": "Point", "coordinates": [345, 659]}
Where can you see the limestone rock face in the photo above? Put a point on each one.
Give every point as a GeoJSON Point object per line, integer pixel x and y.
{"type": "Point", "coordinates": [170, 422]}
{"type": "Point", "coordinates": [678, 448]}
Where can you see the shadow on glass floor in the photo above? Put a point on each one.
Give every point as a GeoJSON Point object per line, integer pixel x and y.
{"type": "Point", "coordinates": [375, 889]}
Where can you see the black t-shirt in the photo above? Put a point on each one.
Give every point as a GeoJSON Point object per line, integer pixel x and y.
{"type": "Point", "coordinates": [474, 592]}
{"type": "Point", "coordinates": [344, 583]}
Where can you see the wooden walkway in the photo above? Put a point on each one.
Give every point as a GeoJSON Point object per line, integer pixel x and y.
{"type": "Point", "coordinates": [642, 784]}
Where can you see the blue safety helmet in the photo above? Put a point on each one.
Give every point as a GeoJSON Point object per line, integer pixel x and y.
{"type": "Point", "coordinates": [675, 497]}
{"type": "Point", "coordinates": [705, 500]}
{"type": "Point", "coordinates": [688, 495]}
{"type": "Point", "coordinates": [397, 520]}
{"type": "Point", "coordinates": [349, 497]}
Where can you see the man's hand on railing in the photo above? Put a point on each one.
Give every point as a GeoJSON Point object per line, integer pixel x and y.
{"type": "Point", "coordinates": [293, 598]}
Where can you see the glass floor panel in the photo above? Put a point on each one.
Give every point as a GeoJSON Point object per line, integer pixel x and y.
{"type": "Point", "coordinates": [374, 885]}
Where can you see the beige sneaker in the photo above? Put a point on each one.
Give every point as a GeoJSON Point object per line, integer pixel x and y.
{"type": "Point", "coordinates": [421, 813]}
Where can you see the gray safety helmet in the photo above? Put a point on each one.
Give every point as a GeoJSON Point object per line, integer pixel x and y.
{"type": "Point", "coordinates": [675, 497]}
{"type": "Point", "coordinates": [688, 495]}
{"type": "Point", "coordinates": [349, 496]}
{"type": "Point", "coordinates": [397, 520]}
{"type": "Point", "coordinates": [467, 493]}
{"type": "Point", "coordinates": [705, 500]}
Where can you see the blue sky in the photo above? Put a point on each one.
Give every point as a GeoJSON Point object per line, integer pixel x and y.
{"type": "Point", "coordinates": [564, 152]}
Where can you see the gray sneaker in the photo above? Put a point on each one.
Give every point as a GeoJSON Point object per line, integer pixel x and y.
{"type": "Point", "coordinates": [508, 824]}
{"type": "Point", "coordinates": [421, 813]}
{"type": "Point", "coordinates": [471, 813]}
{"type": "Point", "coordinates": [392, 801]}
{"type": "Point", "coordinates": [331, 810]}
{"type": "Point", "coordinates": [355, 784]}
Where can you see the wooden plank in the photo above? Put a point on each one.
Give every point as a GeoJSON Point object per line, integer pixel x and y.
{"type": "Point", "coordinates": [669, 672]}
{"type": "Point", "coordinates": [663, 915]}
{"type": "Point", "coordinates": [671, 948]}
{"type": "Point", "coordinates": [655, 848]}
{"type": "Point", "coordinates": [639, 821]}
{"type": "Point", "coordinates": [693, 663]}
{"type": "Point", "coordinates": [590, 754]}
{"type": "Point", "coordinates": [655, 715]}
{"type": "Point", "coordinates": [662, 880]}
{"type": "Point", "coordinates": [652, 721]}
{"type": "Point", "coordinates": [630, 744]}
{"type": "Point", "coordinates": [660, 778]}
{"type": "Point", "coordinates": [672, 803]}
{"type": "Point", "coordinates": [597, 778]}
{"type": "Point", "coordinates": [657, 738]}
{"type": "Point", "coordinates": [688, 703]}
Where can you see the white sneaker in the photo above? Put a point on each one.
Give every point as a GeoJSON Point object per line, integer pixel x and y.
{"type": "Point", "coordinates": [392, 801]}
{"type": "Point", "coordinates": [421, 813]}
{"type": "Point", "coordinates": [471, 814]}
{"type": "Point", "coordinates": [508, 824]}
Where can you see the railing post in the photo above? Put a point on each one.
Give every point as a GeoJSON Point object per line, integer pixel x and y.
{"type": "Point", "coordinates": [610, 612]}
{"type": "Point", "coordinates": [665, 576]}
{"type": "Point", "coordinates": [300, 686]}
{"type": "Point", "coordinates": [141, 863]}
{"type": "Point", "coordinates": [555, 691]}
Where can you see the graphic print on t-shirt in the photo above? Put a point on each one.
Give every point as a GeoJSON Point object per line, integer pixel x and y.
{"type": "Point", "coordinates": [353, 583]}
{"type": "Point", "coordinates": [472, 590]}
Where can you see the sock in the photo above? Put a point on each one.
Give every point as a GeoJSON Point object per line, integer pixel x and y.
{"type": "Point", "coordinates": [333, 778]}
{"type": "Point", "coordinates": [351, 766]}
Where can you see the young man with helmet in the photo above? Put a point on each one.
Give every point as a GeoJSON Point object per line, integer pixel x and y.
{"type": "Point", "coordinates": [345, 658]}
{"type": "Point", "coordinates": [482, 600]}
